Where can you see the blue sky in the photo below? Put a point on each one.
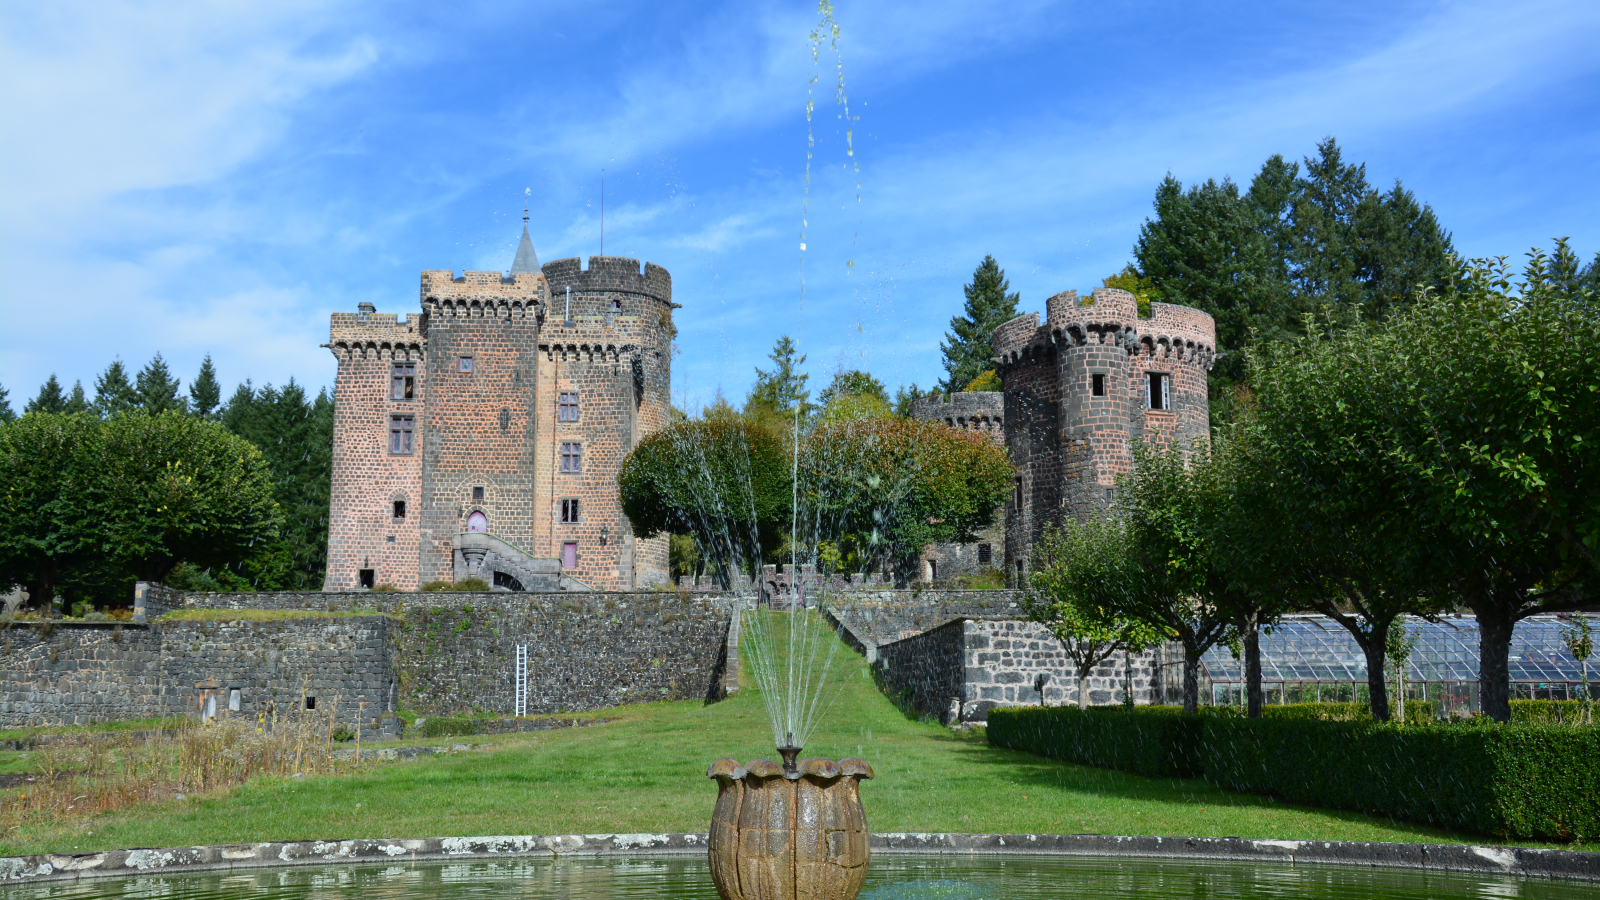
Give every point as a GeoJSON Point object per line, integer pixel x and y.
{"type": "Point", "coordinates": [217, 178]}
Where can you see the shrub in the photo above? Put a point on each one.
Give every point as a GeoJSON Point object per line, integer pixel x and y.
{"type": "Point", "coordinates": [1418, 712]}
{"type": "Point", "coordinates": [1511, 781]}
{"type": "Point", "coordinates": [343, 734]}
{"type": "Point", "coordinates": [1547, 712]}
{"type": "Point", "coordinates": [467, 585]}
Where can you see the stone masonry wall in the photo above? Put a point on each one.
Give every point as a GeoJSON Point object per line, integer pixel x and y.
{"type": "Point", "coordinates": [923, 672]}
{"type": "Point", "coordinates": [987, 663]}
{"type": "Point", "coordinates": [456, 652]}
{"type": "Point", "coordinates": [984, 412]}
{"type": "Point", "coordinates": [73, 675]}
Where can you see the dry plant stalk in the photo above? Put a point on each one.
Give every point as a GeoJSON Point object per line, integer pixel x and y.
{"type": "Point", "coordinates": [83, 776]}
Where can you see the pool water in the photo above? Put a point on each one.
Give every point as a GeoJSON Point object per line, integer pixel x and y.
{"type": "Point", "coordinates": [893, 877]}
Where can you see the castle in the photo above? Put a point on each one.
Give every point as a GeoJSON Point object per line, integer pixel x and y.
{"type": "Point", "coordinates": [1082, 389]}
{"type": "Point", "coordinates": [481, 437]}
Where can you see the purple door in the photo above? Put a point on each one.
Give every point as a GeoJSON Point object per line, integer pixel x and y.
{"type": "Point", "coordinates": [477, 522]}
{"type": "Point", "coordinates": [569, 556]}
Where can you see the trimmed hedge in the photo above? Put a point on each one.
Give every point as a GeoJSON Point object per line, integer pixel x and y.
{"type": "Point", "coordinates": [1535, 782]}
{"type": "Point", "coordinates": [1418, 712]}
{"type": "Point", "coordinates": [1550, 712]}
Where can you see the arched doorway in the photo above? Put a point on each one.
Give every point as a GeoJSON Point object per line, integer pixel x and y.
{"type": "Point", "coordinates": [477, 522]}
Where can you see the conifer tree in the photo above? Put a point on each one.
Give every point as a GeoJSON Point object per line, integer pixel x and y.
{"type": "Point", "coordinates": [50, 399]}
{"type": "Point", "coordinates": [784, 387]}
{"type": "Point", "coordinates": [76, 402]}
{"type": "Point", "coordinates": [204, 392]}
{"type": "Point", "coordinates": [6, 413]}
{"type": "Point", "coordinates": [157, 389]}
{"type": "Point", "coordinates": [113, 393]}
{"type": "Point", "coordinates": [967, 348]}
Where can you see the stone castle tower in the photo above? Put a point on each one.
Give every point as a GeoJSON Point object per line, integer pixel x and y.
{"type": "Point", "coordinates": [1082, 389]}
{"type": "Point", "coordinates": [482, 436]}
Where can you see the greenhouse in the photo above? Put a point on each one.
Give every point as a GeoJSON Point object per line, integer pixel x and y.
{"type": "Point", "coordinates": [1312, 658]}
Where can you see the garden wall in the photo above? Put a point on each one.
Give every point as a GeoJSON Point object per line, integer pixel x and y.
{"type": "Point", "coordinates": [74, 674]}
{"type": "Point", "coordinates": [985, 663]}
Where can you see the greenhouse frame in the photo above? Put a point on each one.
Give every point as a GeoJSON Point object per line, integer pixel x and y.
{"type": "Point", "coordinates": [1312, 658]}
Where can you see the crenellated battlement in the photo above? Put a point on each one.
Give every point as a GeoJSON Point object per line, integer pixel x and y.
{"type": "Point", "coordinates": [609, 274]}
{"type": "Point", "coordinates": [969, 410]}
{"type": "Point", "coordinates": [1110, 316]}
{"type": "Point", "coordinates": [371, 334]}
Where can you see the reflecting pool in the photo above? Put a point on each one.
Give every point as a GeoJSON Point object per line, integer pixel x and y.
{"type": "Point", "coordinates": [893, 877]}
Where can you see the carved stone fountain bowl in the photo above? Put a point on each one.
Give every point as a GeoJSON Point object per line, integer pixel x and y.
{"type": "Point", "coordinates": [789, 836]}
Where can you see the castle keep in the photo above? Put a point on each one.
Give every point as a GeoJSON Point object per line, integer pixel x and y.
{"type": "Point", "coordinates": [481, 436]}
{"type": "Point", "coordinates": [1082, 389]}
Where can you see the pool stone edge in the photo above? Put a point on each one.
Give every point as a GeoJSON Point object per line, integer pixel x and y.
{"type": "Point", "coordinates": [1519, 861]}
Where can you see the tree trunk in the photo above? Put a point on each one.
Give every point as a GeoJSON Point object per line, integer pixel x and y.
{"type": "Point", "coordinates": [1083, 688]}
{"type": "Point", "coordinates": [1376, 644]}
{"type": "Point", "coordinates": [1191, 679]}
{"type": "Point", "coordinates": [1252, 665]}
{"type": "Point", "coordinates": [1494, 671]}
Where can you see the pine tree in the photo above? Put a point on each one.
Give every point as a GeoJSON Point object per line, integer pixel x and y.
{"type": "Point", "coordinates": [1399, 246]}
{"type": "Point", "coordinates": [1323, 259]}
{"type": "Point", "coordinates": [157, 389]}
{"type": "Point", "coordinates": [6, 413]}
{"type": "Point", "coordinates": [204, 392]}
{"type": "Point", "coordinates": [967, 348]}
{"type": "Point", "coordinates": [780, 390]}
{"type": "Point", "coordinates": [50, 399]}
{"type": "Point", "coordinates": [77, 402]}
{"type": "Point", "coordinates": [113, 393]}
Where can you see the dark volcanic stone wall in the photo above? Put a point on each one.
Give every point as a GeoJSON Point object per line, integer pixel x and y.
{"type": "Point", "coordinates": [923, 673]}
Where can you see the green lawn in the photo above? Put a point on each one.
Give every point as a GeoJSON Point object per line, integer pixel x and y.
{"type": "Point", "coordinates": [645, 771]}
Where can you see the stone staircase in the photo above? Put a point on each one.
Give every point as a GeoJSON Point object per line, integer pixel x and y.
{"type": "Point", "coordinates": [506, 568]}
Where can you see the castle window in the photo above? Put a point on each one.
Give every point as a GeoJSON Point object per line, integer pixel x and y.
{"type": "Point", "coordinates": [404, 382]}
{"type": "Point", "coordinates": [933, 570]}
{"type": "Point", "coordinates": [567, 407]}
{"type": "Point", "coordinates": [367, 577]}
{"type": "Point", "coordinates": [400, 428]}
{"type": "Point", "coordinates": [1016, 493]}
{"type": "Point", "coordinates": [1157, 390]}
{"type": "Point", "coordinates": [464, 364]}
{"type": "Point", "coordinates": [1097, 384]}
{"type": "Point", "coordinates": [399, 509]}
{"type": "Point", "coordinates": [311, 703]}
{"type": "Point", "coordinates": [985, 555]}
{"type": "Point", "coordinates": [569, 555]}
{"type": "Point", "coordinates": [477, 493]}
{"type": "Point", "coordinates": [569, 511]}
{"type": "Point", "coordinates": [234, 700]}
{"type": "Point", "coordinates": [572, 457]}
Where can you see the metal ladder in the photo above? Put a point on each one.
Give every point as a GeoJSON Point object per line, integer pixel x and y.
{"type": "Point", "coordinates": [522, 680]}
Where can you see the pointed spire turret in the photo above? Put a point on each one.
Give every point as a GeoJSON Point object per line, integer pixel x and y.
{"type": "Point", "coordinates": [526, 260]}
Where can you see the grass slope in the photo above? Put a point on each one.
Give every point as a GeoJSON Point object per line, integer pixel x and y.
{"type": "Point", "coordinates": [644, 771]}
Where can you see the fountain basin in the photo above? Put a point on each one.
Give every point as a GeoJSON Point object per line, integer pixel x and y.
{"type": "Point", "coordinates": [795, 834]}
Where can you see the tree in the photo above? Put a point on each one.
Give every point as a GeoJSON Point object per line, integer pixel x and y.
{"type": "Point", "coordinates": [1142, 287]}
{"type": "Point", "coordinates": [723, 479]}
{"type": "Point", "coordinates": [852, 382]}
{"type": "Point", "coordinates": [1175, 588]}
{"type": "Point", "coordinates": [1401, 643]}
{"type": "Point", "coordinates": [76, 401]}
{"type": "Point", "coordinates": [45, 470]}
{"type": "Point", "coordinates": [1579, 639]}
{"type": "Point", "coordinates": [887, 487]}
{"type": "Point", "coordinates": [50, 400]}
{"type": "Point", "coordinates": [987, 381]}
{"type": "Point", "coordinates": [967, 347]}
{"type": "Point", "coordinates": [171, 488]}
{"type": "Point", "coordinates": [1489, 430]}
{"type": "Point", "coordinates": [6, 413]}
{"type": "Point", "coordinates": [113, 393]}
{"type": "Point", "coordinates": [204, 392]}
{"type": "Point", "coordinates": [1081, 575]}
{"type": "Point", "coordinates": [295, 435]}
{"type": "Point", "coordinates": [783, 389]}
{"type": "Point", "coordinates": [156, 388]}
{"type": "Point", "coordinates": [905, 395]}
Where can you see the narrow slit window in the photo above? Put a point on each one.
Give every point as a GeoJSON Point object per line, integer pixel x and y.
{"type": "Point", "coordinates": [400, 432]}
{"type": "Point", "coordinates": [404, 382]}
{"type": "Point", "coordinates": [569, 511]}
{"type": "Point", "coordinates": [933, 570]}
{"type": "Point", "coordinates": [1097, 384]}
{"type": "Point", "coordinates": [572, 457]}
{"type": "Point", "coordinates": [567, 406]}
{"type": "Point", "coordinates": [1157, 390]}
